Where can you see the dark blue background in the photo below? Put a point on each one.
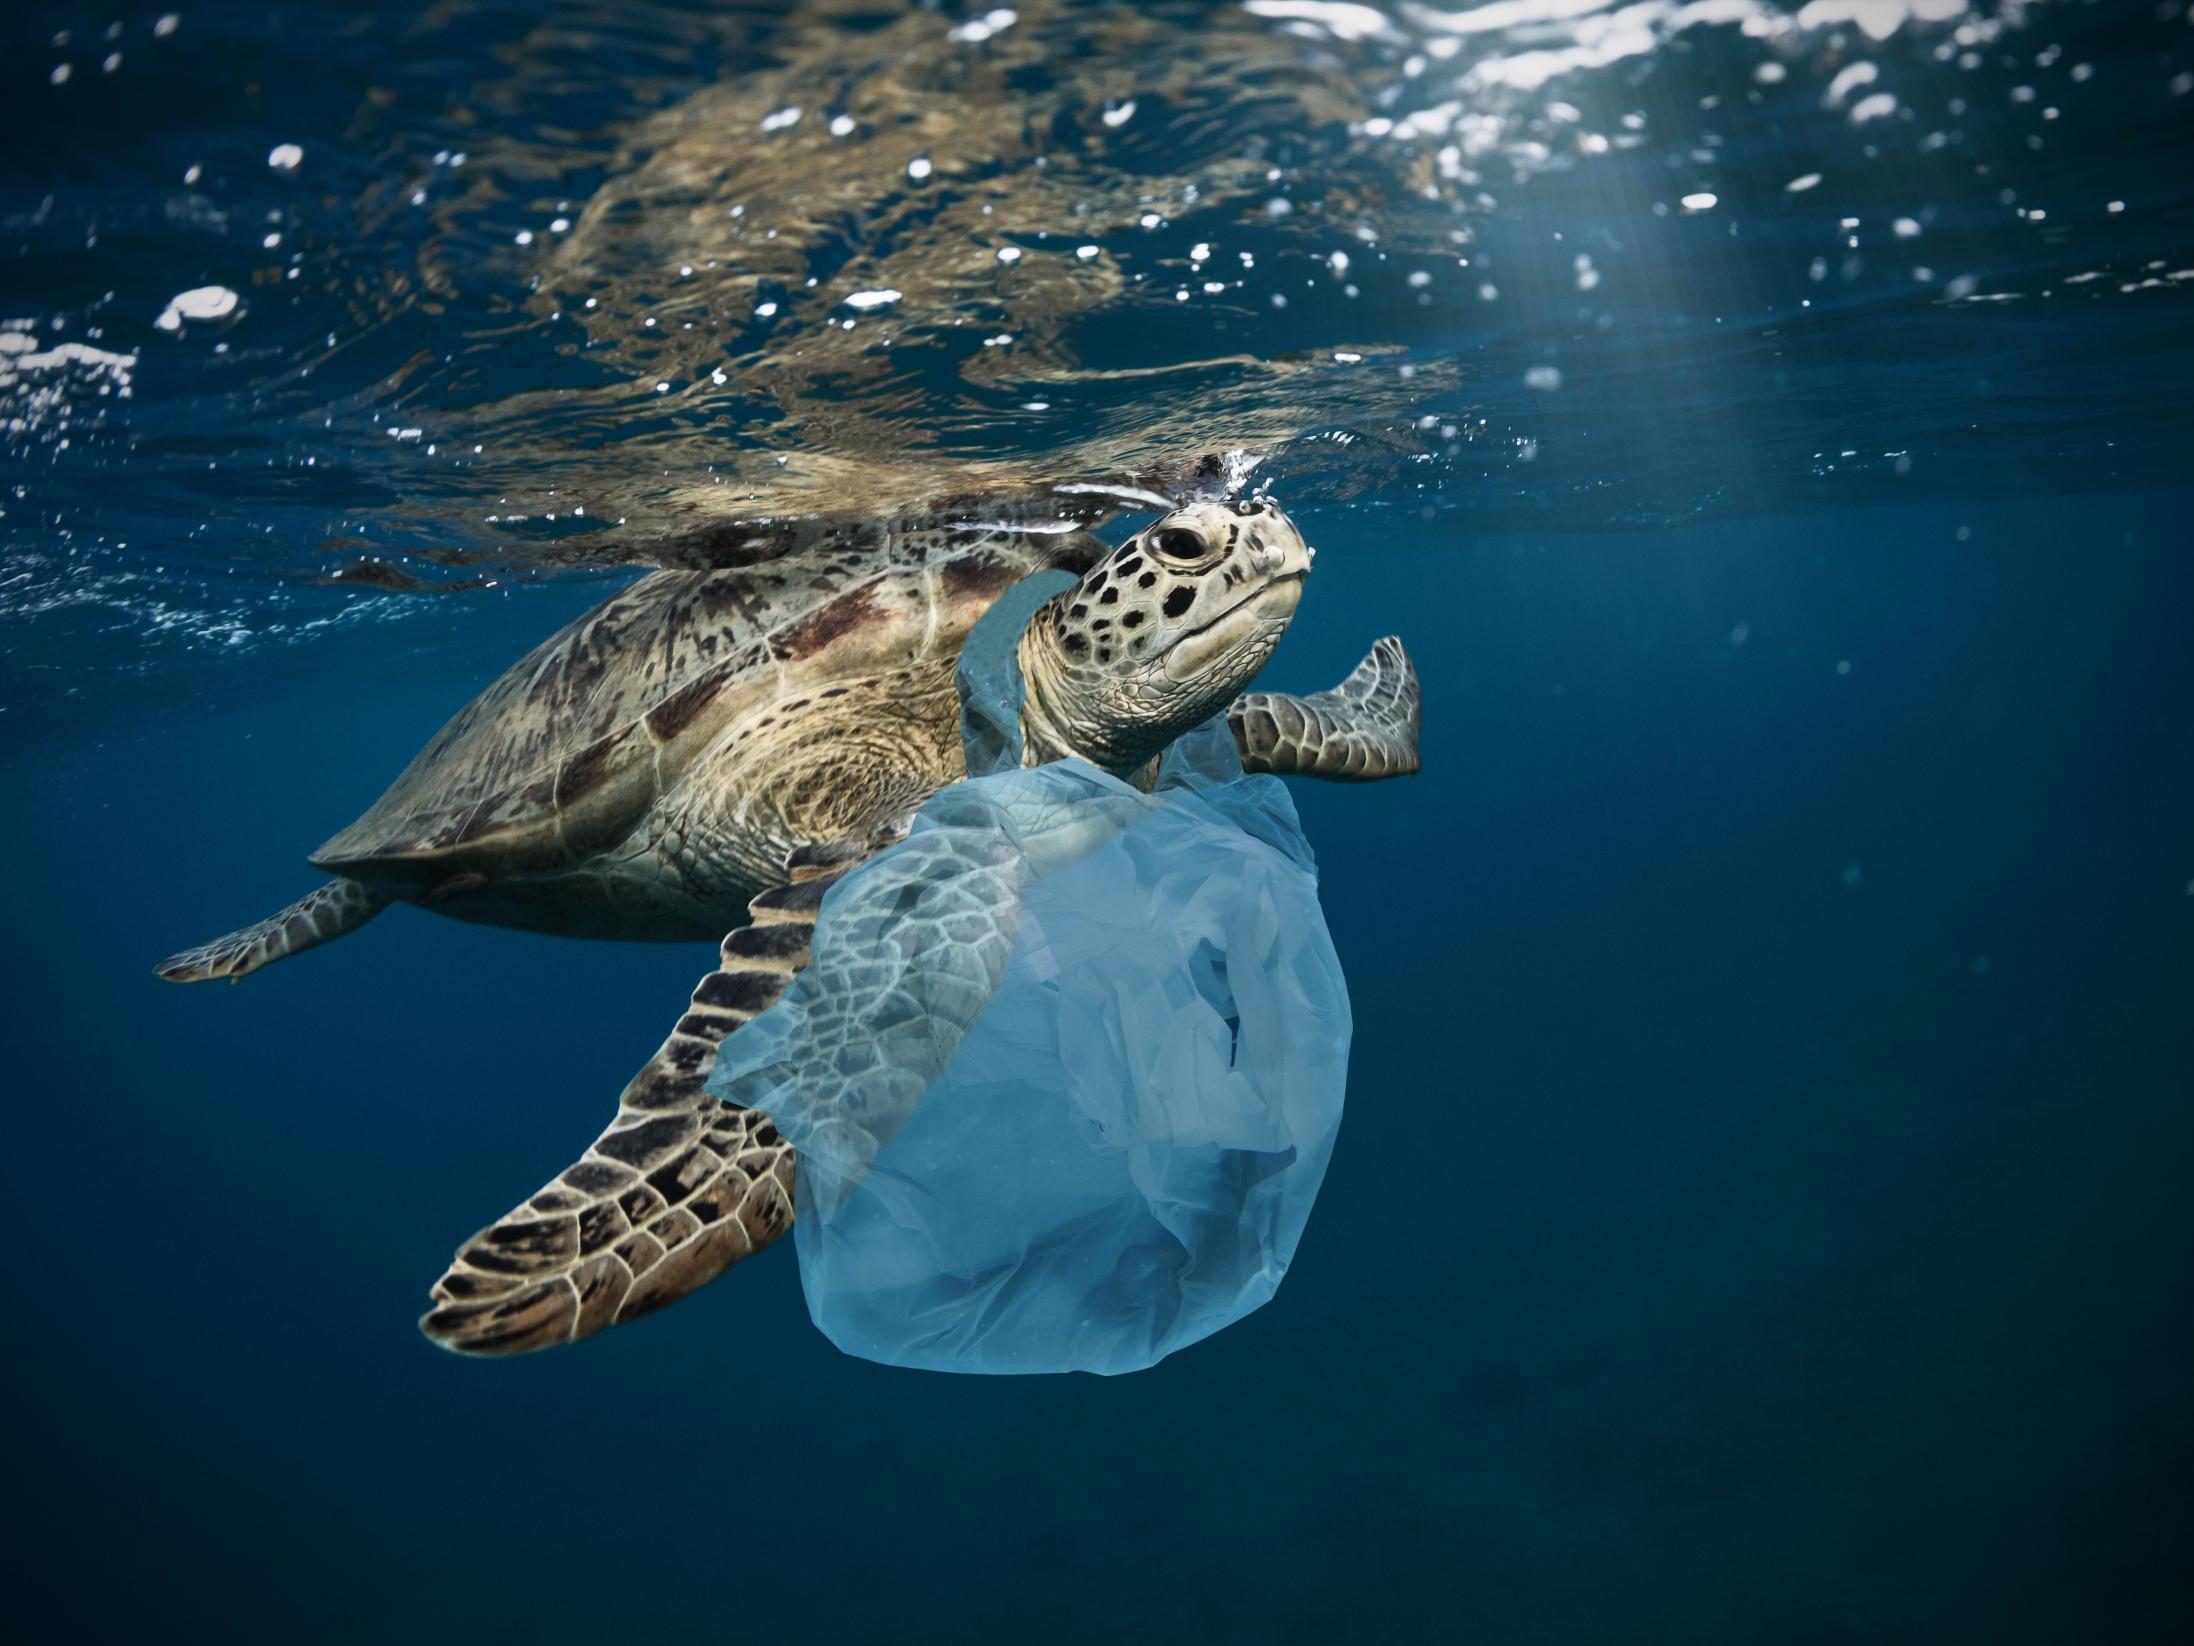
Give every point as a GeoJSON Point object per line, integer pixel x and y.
{"type": "Point", "coordinates": [1716, 1248]}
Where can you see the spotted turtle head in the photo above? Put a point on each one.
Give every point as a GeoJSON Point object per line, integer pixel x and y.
{"type": "Point", "coordinates": [1166, 630]}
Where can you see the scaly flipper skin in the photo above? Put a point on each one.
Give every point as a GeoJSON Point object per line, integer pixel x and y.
{"type": "Point", "coordinates": [1361, 730]}
{"type": "Point", "coordinates": [319, 917]}
{"type": "Point", "coordinates": [919, 942]}
{"type": "Point", "coordinates": [678, 1189]}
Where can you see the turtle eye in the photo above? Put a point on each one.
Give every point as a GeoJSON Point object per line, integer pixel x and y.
{"type": "Point", "coordinates": [1177, 543]}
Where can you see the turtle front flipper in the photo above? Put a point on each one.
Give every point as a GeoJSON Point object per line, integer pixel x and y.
{"type": "Point", "coordinates": [679, 1188]}
{"type": "Point", "coordinates": [318, 917]}
{"type": "Point", "coordinates": [1361, 730]}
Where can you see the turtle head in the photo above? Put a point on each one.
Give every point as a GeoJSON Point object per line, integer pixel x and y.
{"type": "Point", "coordinates": [1161, 634]}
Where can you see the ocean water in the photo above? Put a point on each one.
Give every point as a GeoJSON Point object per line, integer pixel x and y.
{"type": "Point", "coordinates": [1761, 1213]}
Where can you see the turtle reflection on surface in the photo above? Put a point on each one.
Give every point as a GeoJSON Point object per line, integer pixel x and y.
{"type": "Point", "coordinates": [884, 251]}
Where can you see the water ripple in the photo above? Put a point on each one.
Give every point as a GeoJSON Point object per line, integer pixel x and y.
{"type": "Point", "coordinates": [353, 315]}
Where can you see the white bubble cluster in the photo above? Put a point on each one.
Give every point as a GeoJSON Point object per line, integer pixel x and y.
{"type": "Point", "coordinates": [199, 303]}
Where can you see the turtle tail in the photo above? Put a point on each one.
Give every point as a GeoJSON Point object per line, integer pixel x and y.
{"type": "Point", "coordinates": [316, 918]}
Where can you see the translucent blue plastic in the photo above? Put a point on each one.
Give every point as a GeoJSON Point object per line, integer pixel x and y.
{"type": "Point", "coordinates": [1066, 1069]}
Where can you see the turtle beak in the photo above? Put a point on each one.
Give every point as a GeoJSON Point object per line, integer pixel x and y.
{"type": "Point", "coordinates": [1281, 552]}
{"type": "Point", "coordinates": [1254, 621]}
{"type": "Point", "coordinates": [1289, 556]}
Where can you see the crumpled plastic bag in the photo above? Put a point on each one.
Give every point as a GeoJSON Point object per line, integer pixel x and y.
{"type": "Point", "coordinates": [1067, 1065]}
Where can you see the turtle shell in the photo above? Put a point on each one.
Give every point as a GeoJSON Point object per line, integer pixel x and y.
{"type": "Point", "coordinates": [568, 749]}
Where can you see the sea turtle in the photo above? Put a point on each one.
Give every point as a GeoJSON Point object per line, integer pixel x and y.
{"type": "Point", "coordinates": [711, 751]}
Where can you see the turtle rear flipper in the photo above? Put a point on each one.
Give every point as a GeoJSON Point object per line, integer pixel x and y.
{"type": "Point", "coordinates": [679, 1188]}
{"type": "Point", "coordinates": [318, 917]}
{"type": "Point", "coordinates": [1361, 730]}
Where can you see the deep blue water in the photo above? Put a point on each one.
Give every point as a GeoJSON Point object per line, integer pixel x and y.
{"type": "Point", "coordinates": [1762, 1209]}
